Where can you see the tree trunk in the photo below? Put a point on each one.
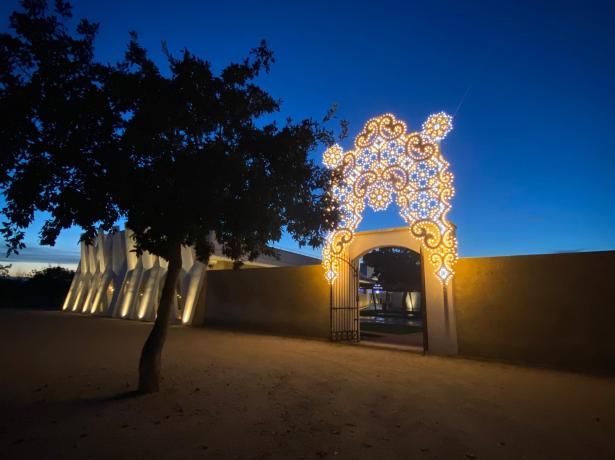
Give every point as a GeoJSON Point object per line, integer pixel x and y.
{"type": "Point", "coordinates": [149, 364]}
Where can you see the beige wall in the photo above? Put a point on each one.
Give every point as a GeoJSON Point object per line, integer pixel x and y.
{"type": "Point", "coordinates": [286, 300]}
{"type": "Point", "coordinates": [554, 310]}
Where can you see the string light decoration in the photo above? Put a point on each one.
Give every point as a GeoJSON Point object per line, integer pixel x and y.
{"type": "Point", "coordinates": [388, 163]}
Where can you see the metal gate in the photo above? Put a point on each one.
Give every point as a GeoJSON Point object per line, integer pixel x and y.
{"type": "Point", "coordinates": [344, 305]}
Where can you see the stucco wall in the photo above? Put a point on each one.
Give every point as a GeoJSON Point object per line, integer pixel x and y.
{"type": "Point", "coordinates": [554, 310]}
{"type": "Point", "coordinates": [287, 300]}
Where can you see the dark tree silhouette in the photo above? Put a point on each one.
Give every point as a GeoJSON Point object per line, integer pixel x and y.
{"type": "Point", "coordinates": [200, 164]}
{"type": "Point", "coordinates": [42, 289]}
{"type": "Point", "coordinates": [397, 269]}
{"type": "Point", "coordinates": [4, 270]}
{"type": "Point", "coordinates": [53, 274]}
{"type": "Point", "coordinates": [184, 155]}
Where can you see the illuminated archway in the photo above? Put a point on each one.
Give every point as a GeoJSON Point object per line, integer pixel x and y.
{"type": "Point", "coordinates": [387, 161]}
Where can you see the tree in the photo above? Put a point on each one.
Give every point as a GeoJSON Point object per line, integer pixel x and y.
{"type": "Point", "coordinates": [200, 163]}
{"type": "Point", "coordinates": [4, 270]}
{"type": "Point", "coordinates": [45, 288]}
{"type": "Point", "coordinates": [185, 156]}
{"type": "Point", "coordinates": [397, 269]}
{"type": "Point", "coordinates": [56, 274]}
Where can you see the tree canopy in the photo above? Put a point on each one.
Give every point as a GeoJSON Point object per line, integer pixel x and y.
{"type": "Point", "coordinates": [397, 269]}
{"type": "Point", "coordinates": [57, 126]}
{"type": "Point", "coordinates": [192, 143]}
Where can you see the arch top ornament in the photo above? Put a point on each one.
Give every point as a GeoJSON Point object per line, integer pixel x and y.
{"type": "Point", "coordinates": [389, 163]}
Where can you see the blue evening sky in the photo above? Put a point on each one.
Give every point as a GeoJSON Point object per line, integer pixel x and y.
{"type": "Point", "coordinates": [531, 86]}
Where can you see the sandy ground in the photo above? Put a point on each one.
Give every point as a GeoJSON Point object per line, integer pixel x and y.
{"type": "Point", "coordinates": [64, 378]}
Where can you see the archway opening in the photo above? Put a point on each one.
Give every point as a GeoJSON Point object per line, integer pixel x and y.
{"type": "Point", "coordinates": [391, 297]}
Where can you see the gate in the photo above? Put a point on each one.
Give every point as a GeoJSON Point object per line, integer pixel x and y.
{"type": "Point", "coordinates": [344, 305]}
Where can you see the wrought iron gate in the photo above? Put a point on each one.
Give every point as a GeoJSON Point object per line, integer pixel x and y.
{"type": "Point", "coordinates": [344, 305]}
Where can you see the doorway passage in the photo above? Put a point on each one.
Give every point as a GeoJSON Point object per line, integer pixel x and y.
{"type": "Point", "coordinates": [390, 297]}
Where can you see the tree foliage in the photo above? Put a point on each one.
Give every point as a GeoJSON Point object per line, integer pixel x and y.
{"type": "Point", "coordinates": [45, 288]}
{"type": "Point", "coordinates": [4, 270]}
{"type": "Point", "coordinates": [53, 274]}
{"type": "Point", "coordinates": [397, 269]}
{"type": "Point", "coordinates": [192, 143]}
{"type": "Point", "coordinates": [57, 127]}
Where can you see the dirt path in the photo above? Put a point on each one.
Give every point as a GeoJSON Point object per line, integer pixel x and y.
{"type": "Point", "coordinates": [235, 395]}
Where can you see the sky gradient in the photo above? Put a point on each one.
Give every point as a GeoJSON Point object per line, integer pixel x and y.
{"type": "Point", "coordinates": [530, 85]}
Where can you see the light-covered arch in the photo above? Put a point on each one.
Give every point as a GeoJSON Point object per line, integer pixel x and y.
{"type": "Point", "coordinates": [389, 163]}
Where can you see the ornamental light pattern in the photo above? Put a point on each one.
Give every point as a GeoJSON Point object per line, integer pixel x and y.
{"type": "Point", "coordinates": [387, 164]}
